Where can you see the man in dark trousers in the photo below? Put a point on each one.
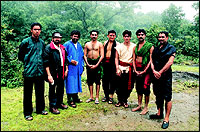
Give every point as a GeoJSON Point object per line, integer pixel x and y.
{"type": "Point", "coordinates": [141, 65]}
{"type": "Point", "coordinates": [31, 52]}
{"type": "Point", "coordinates": [161, 61]}
{"type": "Point", "coordinates": [124, 69]}
{"type": "Point", "coordinates": [109, 69]}
{"type": "Point", "coordinates": [55, 61]}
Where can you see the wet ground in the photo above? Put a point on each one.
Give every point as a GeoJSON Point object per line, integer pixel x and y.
{"type": "Point", "coordinates": [184, 114]}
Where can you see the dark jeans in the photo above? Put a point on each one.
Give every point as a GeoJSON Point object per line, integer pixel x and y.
{"type": "Point", "coordinates": [122, 90]}
{"type": "Point", "coordinates": [109, 80]}
{"type": "Point", "coordinates": [39, 93]}
{"type": "Point", "coordinates": [72, 97]}
{"type": "Point", "coordinates": [56, 91]}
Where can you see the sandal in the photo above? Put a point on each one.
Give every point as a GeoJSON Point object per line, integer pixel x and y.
{"type": "Point", "coordinates": [79, 101]}
{"type": "Point", "coordinates": [44, 112]}
{"type": "Point", "coordinates": [118, 104]}
{"type": "Point", "coordinates": [126, 105]}
{"type": "Point", "coordinates": [96, 101]}
{"type": "Point", "coordinates": [110, 101]}
{"type": "Point", "coordinates": [104, 99]}
{"type": "Point", "coordinates": [72, 104]}
{"type": "Point", "coordinates": [29, 118]}
{"type": "Point", "coordinates": [89, 100]}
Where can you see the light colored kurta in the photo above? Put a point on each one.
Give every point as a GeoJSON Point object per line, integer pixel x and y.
{"type": "Point", "coordinates": [125, 55]}
{"type": "Point", "coordinates": [73, 79]}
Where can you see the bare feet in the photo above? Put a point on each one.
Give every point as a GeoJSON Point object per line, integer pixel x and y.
{"type": "Point", "coordinates": [136, 109]}
{"type": "Point", "coordinates": [144, 111]}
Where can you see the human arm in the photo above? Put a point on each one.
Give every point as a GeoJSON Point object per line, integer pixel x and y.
{"type": "Point", "coordinates": [50, 78]}
{"type": "Point", "coordinates": [156, 73]}
{"type": "Point", "coordinates": [85, 55]}
{"type": "Point", "coordinates": [66, 71]}
{"type": "Point", "coordinates": [134, 65]}
{"type": "Point", "coordinates": [118, 72]}
{"type": "Point", "coordinates": [168, 64]}
{"type": "Point", "coordinates": [22, 50]}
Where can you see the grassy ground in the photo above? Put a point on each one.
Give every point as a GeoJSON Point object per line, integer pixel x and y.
{"type": "Point", "coordinates": [92, 117]}
{"type": "Point", "coordinates": [184, 68]}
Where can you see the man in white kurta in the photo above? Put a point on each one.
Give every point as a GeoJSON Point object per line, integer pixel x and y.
{"type": "Point", "coordinates": [124, 69]}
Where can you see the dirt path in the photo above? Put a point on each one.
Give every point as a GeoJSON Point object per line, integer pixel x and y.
{"type": "Point", "coordinates": [184, 114]}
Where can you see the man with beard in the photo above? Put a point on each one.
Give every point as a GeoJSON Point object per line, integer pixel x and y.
{"type": "Point", "coordinates": [93, 55]}
{"type": "Point", "coordinates": [55, 61]}
{"type": "Point", "coordinates": [75, 67]}
{"type": "Point", "coordinates": [161, 61]}
{"type": "Point", "coordinates": [109, 70]}
{"type": "Point", "coordinates": [141, 65]}
{"type": "Point", "coordinates": [31, 51]}
{"type": "Point", "coordinates": [124, 69]}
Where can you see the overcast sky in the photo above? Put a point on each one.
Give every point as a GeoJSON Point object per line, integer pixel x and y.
{"type": "Point", "coordinates": [160, 6]}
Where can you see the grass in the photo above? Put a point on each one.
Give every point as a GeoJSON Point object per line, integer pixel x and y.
{"type": "Point", "coordinates": [86, 116]}
{"type": "Point", "coordinates": [185, 68]}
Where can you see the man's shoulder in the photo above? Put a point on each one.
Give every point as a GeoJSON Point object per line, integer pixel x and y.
{"type": "Point", "coordinates": [66, 43]}
{"type": "Point", "coordinates": [117, 43]}
{"type": "Point", "coordinates": [48, 45]}
{"type": "Point", "coordinates": [26, 39]}
{"type": "Point", "coordinates": [133, 44]}
{"type": "Point", "coordinates": [170, 45]}
{"type": "Point", "coordinates": [42, 41]}
{"type": "Point", "coordinates": [99, 43]}
{"type": "Point", "coordinates": [105, 42]}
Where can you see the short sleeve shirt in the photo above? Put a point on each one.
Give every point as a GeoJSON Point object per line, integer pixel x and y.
{"type": "Point", "coordinates": [125, 55]}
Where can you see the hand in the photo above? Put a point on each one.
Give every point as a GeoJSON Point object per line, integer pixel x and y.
{"type": "Point", "coordinates": [50, 78]}
{"type": "Point", "coordinates": [156, 74]}
{"type": "Point", "coordinates": [66, 72]}
{"type": "Point", "coordinates": [94, 66]}
{"type": "Point", "coordinates": [74, 62]}
{"type": "Point", "coordinates": [90, 66]}
{"type": "Point", "coordinates": [118, 72]}
{"type": "Point", "coordinates": [142, 72]}
{"type": "Point", "coordinates": [137, 73]}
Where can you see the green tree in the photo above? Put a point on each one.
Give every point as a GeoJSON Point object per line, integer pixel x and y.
{"type": "Point", "coordinates": [172, 19]}
{"type": "Point", "coordinates": [10, 67]}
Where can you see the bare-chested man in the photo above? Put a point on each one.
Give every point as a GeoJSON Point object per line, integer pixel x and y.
{"type": "Point", "coordinates": [109, 70]}
{"type": "Point", "coordinates": [93, 55]}
{"type": "Point", "coordinates": [141, 65]}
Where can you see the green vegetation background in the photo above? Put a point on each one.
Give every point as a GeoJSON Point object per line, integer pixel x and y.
{"type": "Point", "coordinates": [65, 16]}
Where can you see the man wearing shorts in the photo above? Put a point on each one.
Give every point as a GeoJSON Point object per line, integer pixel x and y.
{"type": "Point", "coordinates": [93, 55]}
{"type": "Point", "coordinates": [161, 61]}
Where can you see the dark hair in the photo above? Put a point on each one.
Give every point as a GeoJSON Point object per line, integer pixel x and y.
{"type": "Point", "coordinates": [165, 32]}
{"type": "Point", "coordinates": [140, 30]}
{"type": "Point", "coordinates": [94, 31]}
{"type": "Point", "coordinates": [75, 32]}
{"type": "Point", "coordinates": [127, 32]}
{"type": "Point", "coordinates": [111, 31]}
{"type": "Point", "coordinates": [36, 24]}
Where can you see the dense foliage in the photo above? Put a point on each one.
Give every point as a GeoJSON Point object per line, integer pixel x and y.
{"type": "Point", "coordinates": [65, 16]}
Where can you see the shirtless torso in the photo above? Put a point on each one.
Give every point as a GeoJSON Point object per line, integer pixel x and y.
{"type": "Point", "coordinates": [109, 47]}
{"type": "Point", "coordinates": [93, 50]}
{"type": "Point", "coordinates": [139, 58]}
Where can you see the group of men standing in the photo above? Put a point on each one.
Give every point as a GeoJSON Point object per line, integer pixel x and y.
{"type": "Point", "coordinates": [118, 64]}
